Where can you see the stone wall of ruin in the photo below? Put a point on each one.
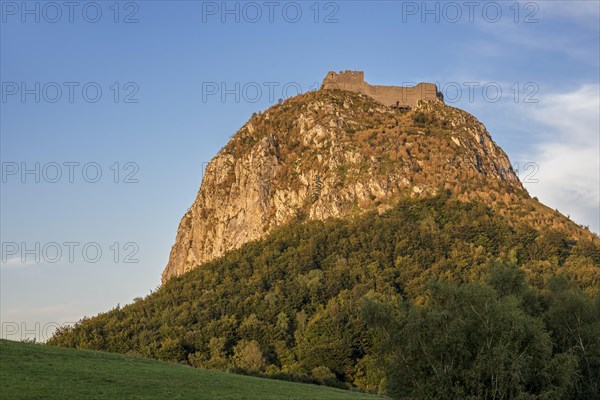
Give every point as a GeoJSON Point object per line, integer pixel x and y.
{"type": "Point", "coordinates": [388, 95]}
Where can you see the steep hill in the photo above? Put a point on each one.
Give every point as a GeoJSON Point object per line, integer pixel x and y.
{"type": "Point", "coordinates": [290, 304]}
{"type": "Point", "coordinates": [34, 371]}
{"type": "Point", "coordinates": [334, 153]}
{"type": "Point", "coordinates": [331, 203]}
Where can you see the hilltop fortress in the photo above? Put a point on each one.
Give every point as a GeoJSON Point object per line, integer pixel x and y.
{"type": "Point", "coordinates": [392, 96]}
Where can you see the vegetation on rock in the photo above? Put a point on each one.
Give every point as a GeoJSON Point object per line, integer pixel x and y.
{"type": "Point", "coordinates": [337, 154]}
{"type": "Point", "coordinates": [469, 305]}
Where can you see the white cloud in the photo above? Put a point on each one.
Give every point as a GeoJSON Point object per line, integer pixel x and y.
{"type": "Point", "coordinates": [15, 262]}
{"type": "Point", "coordinates": [568, 154]}
{"type": "Point", "coordinates": [12, 261]}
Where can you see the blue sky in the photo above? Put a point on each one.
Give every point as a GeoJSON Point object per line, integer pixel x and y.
{"type": "Point", "coordinates": [147, 112]}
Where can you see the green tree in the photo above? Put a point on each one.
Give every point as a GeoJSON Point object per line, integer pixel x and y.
{"type": "Point", "coordinates": [248, 356]}
{"type": "Point", "coordinates": [573, 321]}
{"type": "Point", "coordinates": [467, 343]}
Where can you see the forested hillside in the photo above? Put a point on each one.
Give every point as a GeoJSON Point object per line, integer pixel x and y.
{"type": "Point", "coordinates": [434, 298]}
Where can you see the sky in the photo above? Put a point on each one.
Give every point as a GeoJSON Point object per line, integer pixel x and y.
{"type": "Point", "coordinates": [109, 110]}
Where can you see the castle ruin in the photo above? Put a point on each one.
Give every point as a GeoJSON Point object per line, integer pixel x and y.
{"type": "Point", "coordinates": [392, 96]}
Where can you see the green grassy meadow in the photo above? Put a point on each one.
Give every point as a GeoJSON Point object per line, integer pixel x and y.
{"type": "Point", "coordinates": [36, 371]}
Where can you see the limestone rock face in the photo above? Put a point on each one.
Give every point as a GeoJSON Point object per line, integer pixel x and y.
{"type": "Point", "coordinates": [333, 154]}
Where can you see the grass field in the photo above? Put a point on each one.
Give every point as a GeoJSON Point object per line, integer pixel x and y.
{"type": "Point", "coordinates": [35, 371]}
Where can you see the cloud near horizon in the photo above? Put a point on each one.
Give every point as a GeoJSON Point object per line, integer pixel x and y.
{"type": "Point", "coordinates": [568, 154]}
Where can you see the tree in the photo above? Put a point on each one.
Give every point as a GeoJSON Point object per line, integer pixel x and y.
{"type": "Point", "coordinates": [171, 350]}
{"type": "Point", "coordinates": [248, 356]}
{"type": "Point", "coordinates": [467, 343]}
{"type": "Point", "coordinates": [323, 374]}
{"type": "Point", "coordinates": [326, 342]}
{"type": "Point", "coordinates": [573, 321]}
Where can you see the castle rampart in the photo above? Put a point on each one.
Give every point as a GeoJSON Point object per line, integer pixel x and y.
{"type": "Point", "coordinates": [398, 96]}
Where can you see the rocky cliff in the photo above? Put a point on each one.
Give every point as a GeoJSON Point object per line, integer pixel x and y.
{"type": "Point", "coordinates": [333, 154]}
